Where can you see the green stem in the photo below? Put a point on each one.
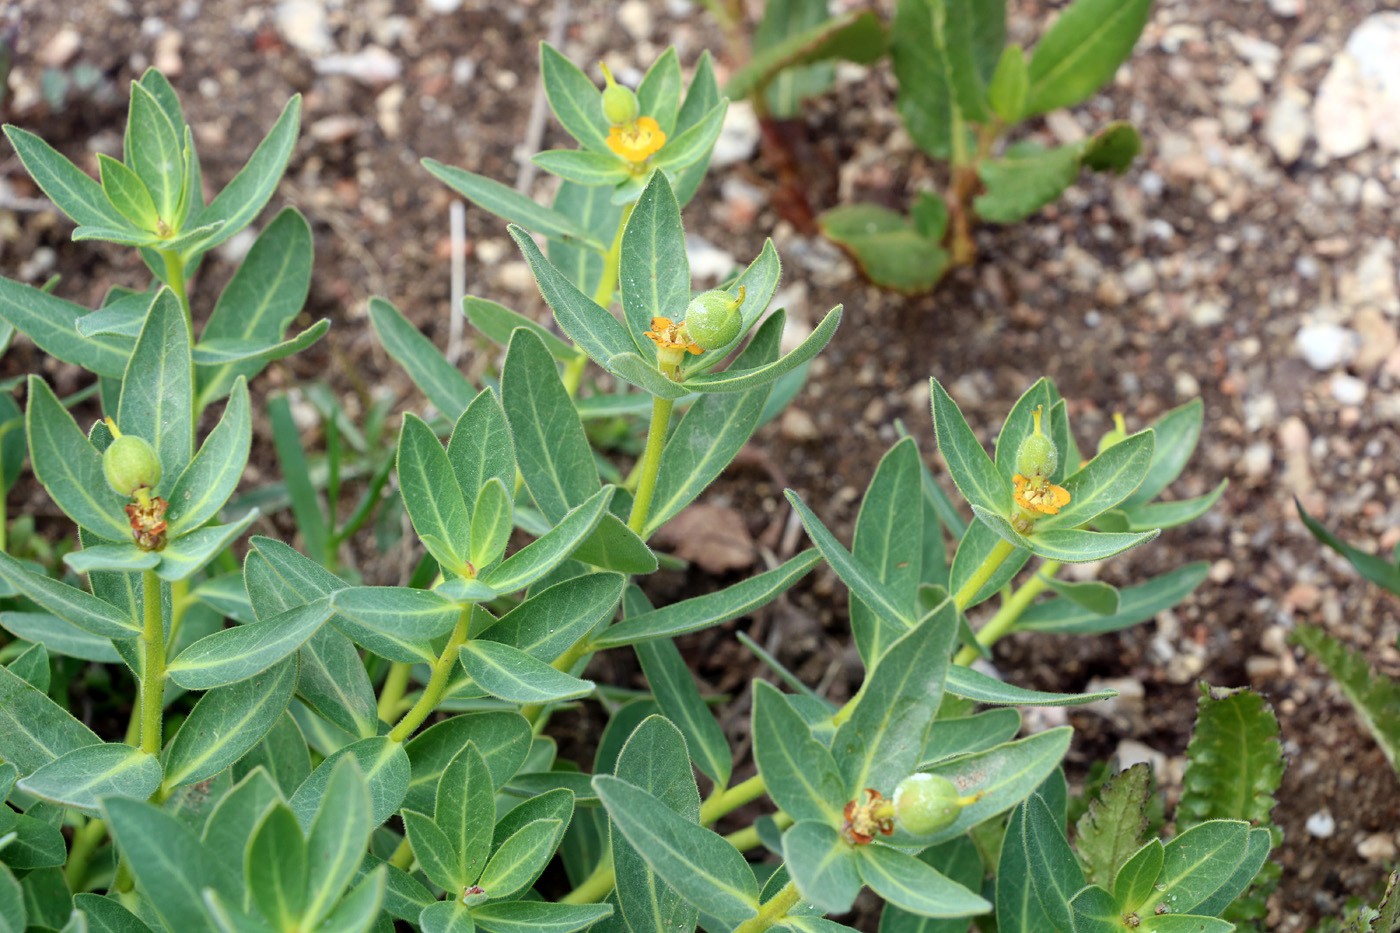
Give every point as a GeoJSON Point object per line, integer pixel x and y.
{"type": "Point", "coordinates": [1009, 611]}
{"type": "Point", "coordinates": [175, 278]}
{"type": "Point", "coordinates": [565, 663]}
{"type": "Point", "coordinates": [651, 463]}
{"type": "Point", "coordinates": [771, 913]}
{"type": "Point", "coordinates": [747, 838]}
{"type": "Point", "coordinates": [395, 683]}
{"type": "Point", "coordinates": [731, 799]}
{"type": "Point", "coordinates": [85, 842]}
{"type": "Point", "coordinates": [596, 886]}
{"type": "Point", "coordinates": [437, 683]}
{"type": "Point", "coordinates": [603, 295]}
{"type": "Point", "coordinates": [153, 669]}
{"type": "Point", "coordinates": [403, 856]}
{"type": "Point", "coordinates": [983, 573]}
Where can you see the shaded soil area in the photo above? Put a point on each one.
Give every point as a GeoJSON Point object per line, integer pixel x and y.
{"type": "Point", "coordinates": [1191, 275]}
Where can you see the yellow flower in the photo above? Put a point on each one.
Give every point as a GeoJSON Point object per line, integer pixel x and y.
{"type": "Point", "coordinates": [638, 140]}
{"type": "Point", "coordinates": [669, 336]}
{"type": "Point", "coordinates": [1040, 496]}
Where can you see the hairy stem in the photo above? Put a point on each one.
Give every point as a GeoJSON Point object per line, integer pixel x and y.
{"type": "Point", "coordinates": [731, 799]}
{"type": "Point", "coordinates": [982, 574]}
{"type": "Point", "coordinates": [651, 463]}
{"type": "Point", "coordinates": [153, 666]}
{"type": "Point", "coordinates": [437, 683]}
{"type": "Point", "coordinates": [1009, 611]}
{"type": "Point", "coordinates": [403, 856]}
{"type": "Point", "coordinates": [85, 842]}
{"type": "Point", "coordinates": [573, 370]}
{"type": "Point", "coordinates": [395, 683]}
{"type": "Point", "coordinates": [771, 913]}
{"type": "Point", "coordinates": [596, 886]}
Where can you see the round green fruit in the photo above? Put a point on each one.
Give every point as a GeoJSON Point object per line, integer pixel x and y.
{"type": "Point", "coordinates": [713, 320]}
{"type": "Point", "coordinates": [129, 464]}
{"type": "Point", "coordinates": [926, 803]}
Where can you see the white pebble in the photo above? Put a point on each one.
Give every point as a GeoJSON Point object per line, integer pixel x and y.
{"type": "Point", "coordinates": [1325, 346]}
{"type": "Point", "coordinates": [1321, 824]}
{"type": "Point", "coordinates": [1347, 389]}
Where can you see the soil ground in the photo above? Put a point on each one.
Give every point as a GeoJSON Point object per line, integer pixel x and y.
{"type": "Point", "coordinates": [1190, 275]}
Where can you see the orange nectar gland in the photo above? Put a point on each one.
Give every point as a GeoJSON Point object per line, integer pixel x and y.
{"type": "Point", "coordinates": [672, 343]}
{"type": "Point", "coordinates": [863, 820]}
{"type": "Point", "coordinates": [1035, 462]}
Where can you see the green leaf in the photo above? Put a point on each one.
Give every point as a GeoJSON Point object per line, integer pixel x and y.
{"type": "Point", "coordinates": [83, 776]}
{"type": "Point", "coordinates": [655, 274]}
{"type": "Point", "coordinates": [887, 246]}
{"type": "Point", "coordinates": [521, 858]}
{"type": "Point", "coordinates": [51, 323]}
{"type": "Point", "coordinates": [1234, 764]}
{"type": "Point", "coordinates": [1010, 85]}
{"type": "Point", "coordinates": [1374, 568]}
{"type": "Point", "coordinates": [1176, 435]}
{"type": "Point", "coordinates": [1135, 604]}
{"type": "Point", "coordinates": [589, 325]}
{"type": "Point", "coordinates": [533, 783]}
{"type": "Point", "coordinates": [675, 691]}
{"type": "Point", "coordinates": [550, 446]}
{"type": "Point", "coordinates": [582, 167]}
{"type": "Point", "coordinates": [203, 487]}
{"type": "Point", "coordinates": [59, 637]}
{"type": "Point", "coordinates": [1184, 923]}
{"type": "Point", "coordinates": [1102, 483]}
{"type": "Point", "coordinates": [243, 198]}
{"type": "Point", "coordinates": [1025, 179]}
{"type": "Point", "coordinates": [884, 735]}
{"type": "Point", "coordinates": [737, 380]}
{"type": "Point", "coordinates": [1093, 595]}
{"type": "Point", "coordinates": [446, 917]}
{"type": "Point", "coordinates": [158, 385]}
{"type": "Point", "coordinates": [1054, 870]}
{"type": "Point", "coordinates": [875, 595]}
{"type": "Point", "coordinates": [537, 917]}
{"type": "Point", "coordinates": [959, 861]}
{"type": "Point", "coordinates": [1261, 843]}
{"type": "Point", "coordinates": [592, 208]}
{"type": "Point", "coordinates": [235, 654]}
{"type": "Point", "coordinates": [226, 723]}
{"type": "Point", "coordinates": [498, 322]}
{"type": "Point", "coordinates": [944, 52]}
{"type": "Point", "coordinates": [1132, 884]}
{"type": "Point", "coordinates": [514, 676]}
{"type": "Point", "coordinates": [282, 754]}
{"type": "Point", "coordinates": [760, 281]}
{"type": "Point", "coordinates": [699, 865]}
{"type": "Point", "coordinates": [465, 811]}
{"type": "Point", "coordinates": [1093, 910]}
{"type": "Point", "coordinates": [32, 666]}
{"type": "Point", "coordinates": [798, 771]}
{"type": "Point", "coordinates": [431, 495]}
{"type": "Point", "coordinates": [503, 738]}
{"type": "Point", "coordinates": [553, 620]}
{"type": "Point", "coordinates": [36, 729]}
{"type": "Point", "coordinates": [694, 144]}
{"type": "Point", "coordinates": [123, 314]}
{"type": "Point", "coordinates": [440, 381]}
{"type": "Point", "coordinates": [654, 759]}
{"type": "Point", "coordinates": [69, 467]}
{"type": "Point", "coordinates": [266, 293]}
{"type": "Point", "coordinates": [973, 472]}
{"type": "Point", "coordinates": [1020, 424]}
{"type": "Point", "coordinates": [480, 447]}
{"type": "Point", "coordinates": [712, 609]}
{"type": "Point", "coordinates": [700, 99]}
{"type": "Point", "coordinates": [155, 151]}
{"type": "Point", "coordinates": [888, 542]}
{"type": "Point", "coordinates": [69, 603]}
{"type": "Point", "coordinates": [575, 100]}
{"type": "Point", "coordinates": [190, 553]}
{"type": "Point", "coordinates": [659, 94]}
{"type": "Point", "coordinates": [491, 523]}
{"type": "Point", "coordinates": [1161, 514]}
{"type": "Point", "coordinates": [358, 911]}
{"type": "Point", "coordinates": [857, 36]}
{"type": "Point", "coordinates": [915, 886]}
{"type": "Point", "coordinates": [337, 839]}
{"type": "Point", "coordinates": [614, 546]}
{"type": "Point", "coordinates": [71, 190]}
{"type": "Point", "coordinates": [791, 86]}
{"type": "Point", "coordinates": [1005, 775]}
{"type": "Point", "coordinates": [1111, 829]}
{"type": "Point", "coordinates": [105, 915]}
{"type": "Point", "coordinates": [510, 205]}
{"type": "Point", "coordinates": [126, 192]}
{"type": "Point", "coordinates": [974, 685]}
{"type": "Point", "coordinates": [977, 543]}
{"type": "Point", "coordinates": [1018, 908]}
{"type": "Point", "coordinates": [964, 735]}
{"type": "Point", "coordinates": [538, 558]}
{"type": "Point", "coordinates": [1198, 863]}
{"type": "Point", "coordinates": [214, 352]}
{"type": "Point", "coordinates": [1082, 50]}
{"type": "Point", "coordinates": [382, 762]}
{"type": "Point", "coordinates": [275, 868]}
{"type": "Point", "coordinates": [1113, 148]}
{"type": "Point", "coordinates": [398, 613]}
{"type": "Point", "coordinates": [172, 867]}
{"type": "Point", "coordinates": [823, 865]}
{"type": "Point", "coordinates": [110, 557]}
{"type": "Point", "coordinates": [1071, 545]}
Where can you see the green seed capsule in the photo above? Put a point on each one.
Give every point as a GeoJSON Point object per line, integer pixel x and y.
{"type": "Point", "coordinates": [713, 320]}
{"type": "Point", "coordinates": [926, 803]}
{"type": "Point", "coordinates": [1037, 455]}
{"type": "Point", "coordinates": [129, 464]}
{"type": "Point", "coordinates": [1117, 435]}
{"type": "Point", "coordinates": [620, 105]}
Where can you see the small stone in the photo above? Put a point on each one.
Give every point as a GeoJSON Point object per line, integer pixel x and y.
{"type": "Point", "coordinates": [1243, 90]}
{"type": "Point", "coordinates": [738, 137]}
{"type": "Point", "coordinates": [1377, 847]}
{"type": "Point", "coordinates": [443, 6]}
{"type": "Point", "coordinates": [1321, 824]}
{"type": "Point", "coordinates": [388, 106]}
{"type": "Point", "coordinates": [1359, 99]}
{"type": "Point", "coordinates": [61, 48]}
{"type": "Point", "coordinates": [1378, 338]}
{"type": "Point", "coordinates": [167, 58]}
{"type": "Point", "coordinates": [334, 129]}
{"type": "Point", "coordinates": [1257, 461]}
{"type": "Point", "coordinates": [708, 261]}
{"type": "Point", "coordinates": [1347, 389]}
{"type": "Point", "coordinates": [515, 277]}
{"type": "Point", "coordinates": [1140, 277]}
{"type": "Point", "coordinates": [371, 65]}
{"type": "Point", "coordinates": [635, 17]}
{"type": "Point", "coordinates": [1287, 128]}
{"type": "Point", "coordinates": [1064, 127]}
{"type": "Point", "coordinates": [1131, 752]}
{"type": "Point", "coordinates": [1325, 346]}
{"type": "Point", "coordinates": [1262, 667]}
{"type": "Point", "coordinates": [797, 426]}
{"type": "Point", "coordinates": [1286, 8]}
{"type": "Point", "coordinates": [1207, 314]}
{"type": "Point", "coordinates": [303, 25]}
